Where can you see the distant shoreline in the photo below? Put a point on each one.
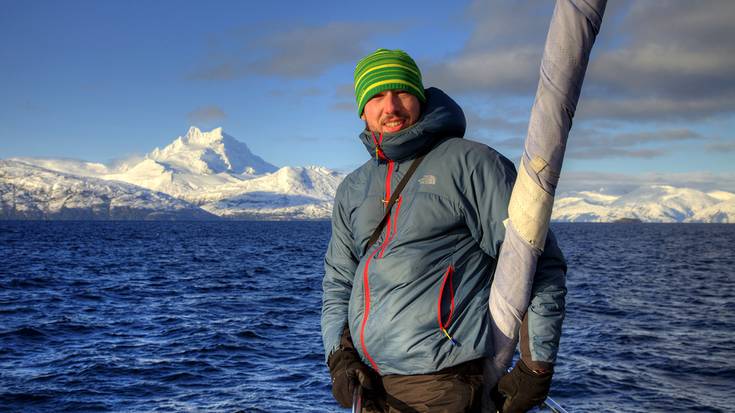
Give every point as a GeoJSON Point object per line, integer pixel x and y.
{"type": "Point", "coordinates": [221, 219]}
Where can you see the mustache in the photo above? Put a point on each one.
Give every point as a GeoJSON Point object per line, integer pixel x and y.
{"type": "Point", "coordinates": [394, 117]}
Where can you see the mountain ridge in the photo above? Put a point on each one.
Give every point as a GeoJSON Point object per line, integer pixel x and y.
{"type": "Point", "coordinates": [216, 173]}
{"type": "Point", "coordinates": [213, 174]}
{"type": "Point", "coordinates": [650, 203]}
{"type": "Point", "coordinates": [210, 152]}
{"type": "Point", "coordinates": [32, 192]}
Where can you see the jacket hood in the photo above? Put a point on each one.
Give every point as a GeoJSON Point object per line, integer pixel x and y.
{"type": "Point", "coordinates": [441, 117]}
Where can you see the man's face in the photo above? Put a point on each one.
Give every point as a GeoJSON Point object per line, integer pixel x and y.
{"type": "Point", "coordinates": [391, 111]}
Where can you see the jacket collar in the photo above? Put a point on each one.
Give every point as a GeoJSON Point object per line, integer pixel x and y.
{"type": "Point", "coordinates": [441, 118]}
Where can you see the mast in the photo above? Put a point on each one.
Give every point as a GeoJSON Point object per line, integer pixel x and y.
{"type": "Point", "coordinates": [572, 32]}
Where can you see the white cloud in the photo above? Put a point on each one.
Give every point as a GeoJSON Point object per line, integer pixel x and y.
{"type": "Point", "coordinates": [664, 60]}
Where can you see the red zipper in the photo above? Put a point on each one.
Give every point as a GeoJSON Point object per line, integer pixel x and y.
{"type": "Point", "coordinates": [442, 326]}
{"type": "Point", "coordinates": [388, 176]}
{"type": "Point", "coordinates": [367, 310]}
{"type": "Point", "coordinates": [365, 278]}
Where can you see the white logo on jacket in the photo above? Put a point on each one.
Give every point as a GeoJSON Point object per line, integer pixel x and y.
{"type": "Point", "coordinates": [427, 180]}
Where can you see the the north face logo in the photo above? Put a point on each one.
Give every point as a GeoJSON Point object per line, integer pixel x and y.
{"type": "Point", "coordinates": [427, 180]}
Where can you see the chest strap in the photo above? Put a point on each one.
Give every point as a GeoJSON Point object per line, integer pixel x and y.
{"type": "Point", "coordinates": [394, 196]}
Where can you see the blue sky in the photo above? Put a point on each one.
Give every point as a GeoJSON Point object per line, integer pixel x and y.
{"type": "Point", "coordinates": [98, 80]}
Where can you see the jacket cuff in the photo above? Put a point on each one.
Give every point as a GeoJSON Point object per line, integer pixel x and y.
{"type": "Point", "coordinates": [534, 365]}
{"type": "Point", "coordinates": [346, 340]}
{"type": "Point", "coordinates": [345, 343]}
{"type": "Point", "coordinates": [539, 371]}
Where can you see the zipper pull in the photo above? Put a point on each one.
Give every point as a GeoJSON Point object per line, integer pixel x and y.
{"type": "Point", "coordinates": [454, 343]}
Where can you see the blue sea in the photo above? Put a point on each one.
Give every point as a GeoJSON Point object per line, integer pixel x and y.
{"type": "Point", "coordinates": [224, 317]}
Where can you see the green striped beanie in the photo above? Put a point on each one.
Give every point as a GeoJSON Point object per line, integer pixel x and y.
{"type": "Point", "coordinates": [385, 70]}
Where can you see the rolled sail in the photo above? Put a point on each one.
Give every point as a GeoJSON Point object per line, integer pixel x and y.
{"type": "Point", "coordinates": [572, 32]}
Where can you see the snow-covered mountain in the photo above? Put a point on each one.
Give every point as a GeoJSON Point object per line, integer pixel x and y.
{"type": "Point", "coordinates": [289, 193]}
{"type": "Point", "coordinates": [192, 163]}
{"type": "Point", "coordinates": [208, 153]}
{"type": "Point", "coordinates": [204, 174]}
{"type": "Point", "coordinates": [32, 192]}
{"type": "Point", "coordinates": [723, 213]}
{"type": "Point", "coordinates": [219, 174]}
{"type": "Point", "coordinates": [653, 203]}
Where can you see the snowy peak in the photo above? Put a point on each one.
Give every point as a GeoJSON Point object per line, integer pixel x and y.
{"type": "Point", "coordinates": [197, 137]}
{"type": "Point", "coordinates": [210, 152]}
{"type": "Point", "coordinates": [206, 172]}
{"type": "Point", "coordinates": [218, 173]}
{"type": "Point", "coordinates": [209, 172]}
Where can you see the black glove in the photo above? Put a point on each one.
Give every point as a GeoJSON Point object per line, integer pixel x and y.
{"type": "Point", "coordinates": [347, 369]}
{"type": "Point", "coordinates": [521, 389]}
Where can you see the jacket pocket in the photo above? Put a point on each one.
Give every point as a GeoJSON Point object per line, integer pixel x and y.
{"type": "Point", "coordinates": [446, 298]}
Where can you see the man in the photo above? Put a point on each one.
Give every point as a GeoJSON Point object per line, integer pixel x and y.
{"type": "Point", "coordinates": [407, 317]}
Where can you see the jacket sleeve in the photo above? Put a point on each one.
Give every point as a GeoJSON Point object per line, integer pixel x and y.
{"type": "Point", "coordinates": [488, 194]}
{"type": "Point", "coordinates": [541, 328]}
{"type": "Point", "coordinates": [340, 263]}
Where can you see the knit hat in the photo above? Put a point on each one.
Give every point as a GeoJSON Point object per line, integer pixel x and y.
{"type": "Point", "coordinates": [385, 70]}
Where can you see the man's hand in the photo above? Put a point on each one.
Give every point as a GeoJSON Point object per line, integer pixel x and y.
{"type": "Point", "coordinates": [521, 389]}
{"type": "Point", "coordinates": [347, 370]}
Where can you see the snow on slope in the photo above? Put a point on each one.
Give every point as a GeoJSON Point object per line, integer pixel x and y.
{"type": "Point", "coordinates": [312, 181]}
{"type": "Point", "coordinates": [69, 166]}
{"type": "Point", "coordinates": [210, 152]}
{"type": "Point", "coordinates": [295, 193]}
{"type": "Point", "coordinates": [722, 195]}
{"type": "Point", "coordinates": [663, 203]}
{"type": "Point", "coordinates": [220, 174]}
{"type": "Point", "coordinates": [723, 213]}
{"type": "Point", "coordinates": [165, 178]}
{"type": "Point", "coordinates": [193, 163]}
{"type": "Point", "coordinates": [582, 208]}
{"type": "Point", "coordinates": [31, 192]}
{"type": "Point", "coordinates": [655, 203]}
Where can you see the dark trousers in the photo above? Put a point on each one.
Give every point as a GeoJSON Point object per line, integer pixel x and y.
{"type": "Point", "coordinates": [452, 390]}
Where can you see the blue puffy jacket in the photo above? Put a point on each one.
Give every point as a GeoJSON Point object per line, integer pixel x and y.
{"type": "Point", "coordinates": [417, 301]}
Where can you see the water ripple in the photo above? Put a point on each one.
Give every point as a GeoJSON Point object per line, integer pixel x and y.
{"type": "Point", "coordinates": [224, 317]}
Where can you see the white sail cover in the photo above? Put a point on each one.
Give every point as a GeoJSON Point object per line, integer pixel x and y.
{"type": "Point", "coordinates": [572, 32]}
